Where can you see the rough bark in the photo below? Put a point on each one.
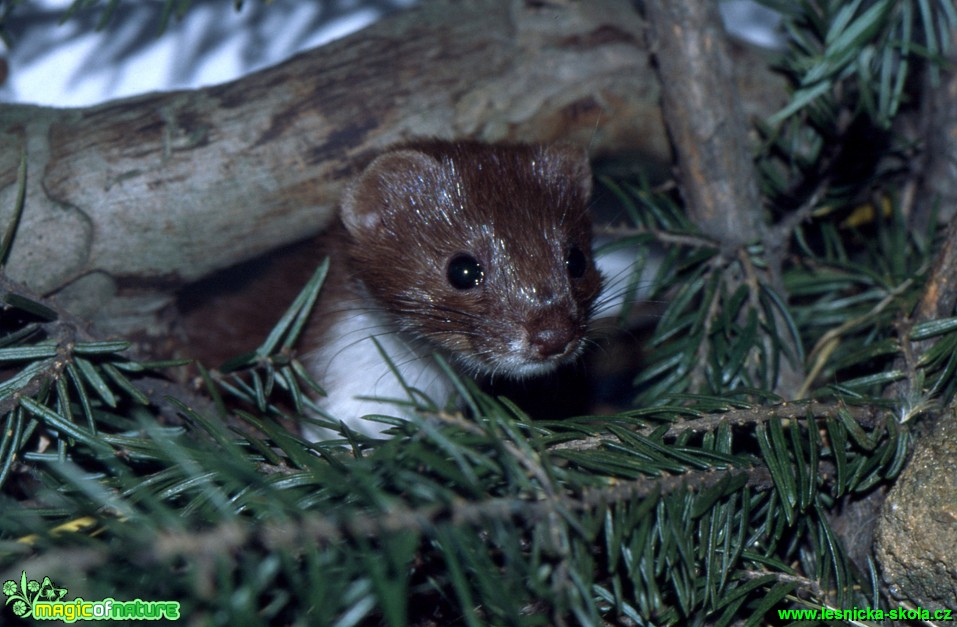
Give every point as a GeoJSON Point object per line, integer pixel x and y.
{"type": "Point", "coordinates": [708, 127]}
{"type": "Point", "coordinates": [129, 200]}
{"type": "Point", "coordinates": [916, 533]}
{"type": "Point", "coordinates": [918, 524]}
{"type": "Point", "coordinates": [937, 190]}
{"type": "Point", "coordinates": [706, 120]}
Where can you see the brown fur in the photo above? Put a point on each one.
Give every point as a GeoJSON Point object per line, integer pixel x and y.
{"type": "Point", "coordinates": [517, 209]}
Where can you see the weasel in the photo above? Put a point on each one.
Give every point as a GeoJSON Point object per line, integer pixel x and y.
{"type": "Point", "coordinates": [480, 253]}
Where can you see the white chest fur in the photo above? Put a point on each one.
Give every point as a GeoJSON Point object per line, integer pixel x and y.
{"type": "Point", "coordinates": [359, 381]}
{"type": "Point", "coordinates": [482, 252]}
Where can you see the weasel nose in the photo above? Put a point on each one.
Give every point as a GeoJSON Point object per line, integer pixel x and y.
{"type": "Point", "coordinates": [551, 334]}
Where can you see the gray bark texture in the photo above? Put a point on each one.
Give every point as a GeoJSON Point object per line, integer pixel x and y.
{"type": "Point", "coordinates": [130, 200]}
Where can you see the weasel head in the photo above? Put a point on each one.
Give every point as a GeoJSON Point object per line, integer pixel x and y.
{"type": "Point", "coordinates": [483, 250]}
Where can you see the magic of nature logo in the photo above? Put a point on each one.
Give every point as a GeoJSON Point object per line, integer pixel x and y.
{"type": "Point", "coordinates": [44, 600]}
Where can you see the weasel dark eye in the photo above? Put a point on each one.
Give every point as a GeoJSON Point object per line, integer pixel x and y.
{"type": "Point", "coordinates": [576, 263]}
{"type": "Point", "coordinates": [464, 272]}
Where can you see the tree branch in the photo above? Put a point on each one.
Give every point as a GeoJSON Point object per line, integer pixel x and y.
{"type": "Point", "coordinates": [129, 200]}
{"type": "Point", "coordinates": [709, 132]}
{"type": "Point", "coordinates": [705, 119]}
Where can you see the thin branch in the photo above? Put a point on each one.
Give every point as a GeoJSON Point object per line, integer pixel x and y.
{"type": "Point", "coordinates": [67, 330]}
{"type": "Point", "coordinates": [705, 120]}
{"type": "Point", "coordinates": [330, 529]}
{"type": "Point", "coordinates": [665, 237]}
{"type": "Point", "coordinates": [868, 416]}
{"type": "Point", "coordinates": [864, 415]}
{"type": "Point", "coordinates": [829, 341]}
{"type": "Point", "coordinates": [782, 231]}
{"type": "Point", "coordinates": [709, 133]}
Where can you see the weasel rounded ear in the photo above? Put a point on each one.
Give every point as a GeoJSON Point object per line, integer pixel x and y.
{"type": "Point", "coordinates": [386, 185]}
{"type": "Point", "coordinates": [573, 163]}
